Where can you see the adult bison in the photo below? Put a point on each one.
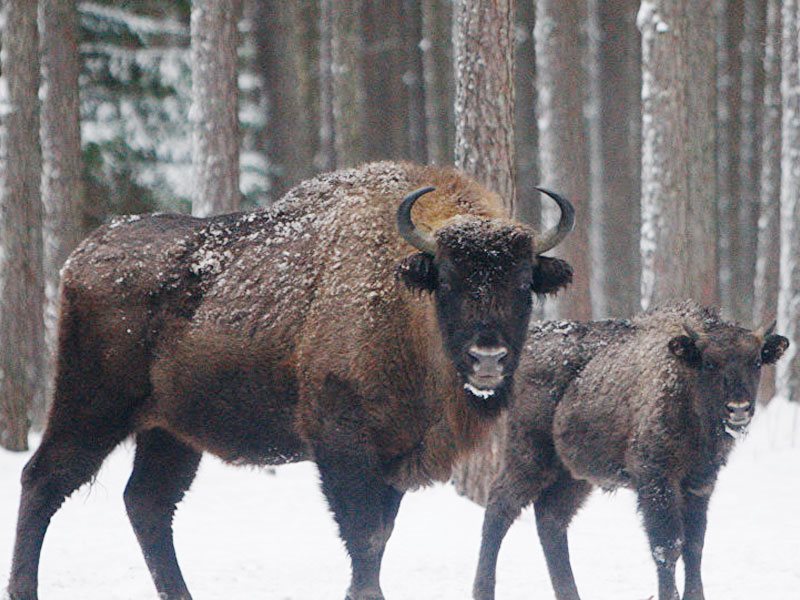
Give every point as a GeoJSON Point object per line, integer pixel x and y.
{"type": "Point", "coordinates": [652, 405]}
{"type": "Point", "coordinates": [294, 333]}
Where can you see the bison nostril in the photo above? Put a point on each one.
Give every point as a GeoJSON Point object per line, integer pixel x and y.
{"type": "Point", "coordinates": [492, 354]}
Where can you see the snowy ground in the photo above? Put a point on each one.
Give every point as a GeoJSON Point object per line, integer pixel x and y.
{"type": "Point", "coordinates": [242, 533]}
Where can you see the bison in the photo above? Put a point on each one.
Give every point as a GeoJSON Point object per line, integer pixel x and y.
{"type": "Point", "coordinates": [306, 331]}
{"type": "Point", "coordinates": [653, 405]}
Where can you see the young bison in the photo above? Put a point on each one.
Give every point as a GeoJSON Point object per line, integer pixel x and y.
{"type": "Point", "coordinates": [297, 332]}
{"type": "Point", "coordinates": [650, 405]}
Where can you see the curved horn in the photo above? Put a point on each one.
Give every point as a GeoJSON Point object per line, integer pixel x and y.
{"type": "Point", "coordinates": [419, 239]}
{"type": "Point", "coordinates": [691, 332]}
{"type": "Point", "coordinates": [553, 236]}
{"type": "Point", "coordinates": [765, 329]}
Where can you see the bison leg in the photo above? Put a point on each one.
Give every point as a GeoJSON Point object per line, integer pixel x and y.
{"type": "Point", "coordinates": [555, 507]}
{"type": "Point", "coordinates": [694, 521]}
{"type": "Point", "coordinates": [511, 491]}
{"type": "Point", "coordinates": [659, 505]}
{"type": "Point", "coordinates": [63, 463]}
{"type": "Point", "coordinates": [163, 470]}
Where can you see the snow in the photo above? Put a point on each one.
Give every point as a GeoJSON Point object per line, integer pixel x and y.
{"type": "Point", "coordinates": [243, 533]}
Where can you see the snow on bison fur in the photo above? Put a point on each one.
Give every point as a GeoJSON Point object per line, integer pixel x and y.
{"type": "Point", "coordinates": [306, 331]}
{"type": "Point", "coordinates": [652, 405]}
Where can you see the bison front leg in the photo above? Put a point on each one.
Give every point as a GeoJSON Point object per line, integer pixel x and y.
{"type": "Point", "coordinates": [364, 508]}
{"type": "Point", "coordinates": [694, 519]}
{"type": "Point", "coordinates": [659, 504]}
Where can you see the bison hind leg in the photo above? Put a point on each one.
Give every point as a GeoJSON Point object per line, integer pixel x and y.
{"type": "Point", "coordinates": [163, 471]}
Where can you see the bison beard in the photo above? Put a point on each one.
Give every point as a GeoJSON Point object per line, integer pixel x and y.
{"type": "Point", "coordinates": [283, 335]}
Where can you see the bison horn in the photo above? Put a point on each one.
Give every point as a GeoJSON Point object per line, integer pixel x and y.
{"type": "Point", "coordinates": [765, 330]}
{"type": "Point", "coordinates": [421, 240]}
{"type": "Point", "coordinates": [553, 236]}
{"type": "Point", "coordinates": [691, 332]}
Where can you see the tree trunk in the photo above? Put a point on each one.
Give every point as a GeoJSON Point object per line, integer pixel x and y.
{"type": "Point", "coordinates": [484, 56]}
{"type": "Point", "coordinates": [215, 93]}
{"type": "Point", "coordinates": [730, 30]}
{"type": "Point", "coordinates": [769, 248]}
{"type": "Point", "coordinates": [751, 107]}
{"type": "Point", "coordinates": [437, 64]}
{"type": "Point", "coordinates": [413, 78]}
{"type": "Point", "coordinates": [62, 175]}
{"type": "Point", "coordinates": [563, 140]}
{"type": "Point", "coordinates": [678, 192]}
{"type": "Point", "coordinates": [325, 159]}
{"type": "Point", "coordinates": [526, 132]}
{"type": "Point", "coordinates": [349, 100]}
{"type": "Point", "coordinates": [616, 157]}
{"type": "Point", "coordinates": [788, 369]}
{"type": "Point", "coordinates": [292, 123]}
{"type": "Point", "coordinates": [21, 264]}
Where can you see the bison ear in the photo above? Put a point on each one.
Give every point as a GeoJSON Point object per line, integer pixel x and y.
{"type": "Point", "coordinates": [550, 275]}
{"type": "Point", "coordinates": [774, 347]}
{"type": "Point", "coordinates": [685, 348]}
{"type": "Point", "coordinates": [418, 272]}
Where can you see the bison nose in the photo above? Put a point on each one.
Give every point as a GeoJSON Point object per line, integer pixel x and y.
{"type": "Point", "coordinates": [487, 359]}
{"type": "Point", "coordinates": [739, 412]}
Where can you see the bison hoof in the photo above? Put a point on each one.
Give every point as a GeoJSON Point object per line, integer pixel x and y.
{"type": "Point", "coordinates": [364, 595]}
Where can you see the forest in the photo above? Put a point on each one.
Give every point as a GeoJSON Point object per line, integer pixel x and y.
{"type": "Point", "coordinates": [672, 126]}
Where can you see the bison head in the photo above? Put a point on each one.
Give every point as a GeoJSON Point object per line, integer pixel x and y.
{"type": "Point", "coordinates": [481, 273]}
{"type": "Point", "coordinates": [728, 360]}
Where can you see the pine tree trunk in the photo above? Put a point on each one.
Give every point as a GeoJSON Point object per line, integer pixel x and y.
{"type": "Point", "coordinates": [413, 78]}
{"type": "Point", "coordinates": [349, 97]}
{"type": "Point", "coordinates": [62, 176]}
{"type": "Point", "coordinates": [751, 106]}
{"type": "Point", "coordinates": [291, 126]}
{"type": "Point", "coordinates": [765, 304]}
{"type": "Point", "coordinates": [214, 112]}
{"type": "Point", "coordinates": [437, 65]}
{"type": "Point", "coordinates": [21, 263]}
{"type": "Point", "coordinates": [563, 140]}
{"type": "Point", "coordinates": [484, 55]}
{"type": "Point", "coordinates": [730, 30]}
{"type": "Point", "coordinates": [788, 368]}
{"type": "Point", "coordinates": [616, 157]}
{"type": "Point", "coordinates": [678, 192]}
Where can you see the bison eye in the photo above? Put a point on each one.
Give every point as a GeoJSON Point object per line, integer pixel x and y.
{"type": "Point", "coordinates": [757, 363]}
{"type": "Point", "coordinates": [709, 365]}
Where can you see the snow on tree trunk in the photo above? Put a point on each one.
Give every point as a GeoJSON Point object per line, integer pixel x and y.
{"type": "Point", "coordinates": [678, 191]}
{"type": "Point", "coordinates": [788, 369]}
{"type": "Point", "coordinates": [62, 170]}
{"type": "Point", "coordinates": [765, 303]}
{"type": "Point", "coordinates": [484, 55]}
{"type": "Point", "coordinates": [214, 112]}
{"type": "Point", "coordinates": [563, 140]}
{"type": "Point", "coordinates": [437, 64]}
{"type": "Point", "coordinates": [730, 29]}
{"type": "Point", "coordinates": [616, 83]}
{"type": "Point", "coordinates": [21, 264]}
{"type": "Point", "coordinates": [349, 96]}
{"type": "Point", "coordinates": [291, 126]}
{"type": "Point", "coordinates": [751, 105]}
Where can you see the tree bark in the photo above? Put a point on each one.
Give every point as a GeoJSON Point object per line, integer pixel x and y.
{"type": "Point", "coordinates": [616, 157]}
{"type": "Point", "coordinates": [437, 64]}
{"type": "Point", "coordinates": [413, 78]}
{"type": "Point", "coordinates": [788, 368]}
{"type": "Point", "coordinates": [526, 131]}
{"type": "Point", "coordinates": [563, 140]}
{"type": "Point", "coordinates": [765, 303]}
{"type": "Point", "coordinates": [484, 56]}
{"type": "Point", "coordinates": [678, 192]}
{"type": "Point", "coordinates": [349, 98]}
{"type": "Point", "coordinates": [21, 263]}
{"type": "Point", "coordinates": [292, 124]}
{"type": "Point", "coordinates": [214, 112]}
{"type": "Point", "coordinates": [730, 30]}
{"type": "Point", "coordinates": [751, 110]}
{"type": "Point", "coordinates": [62, 175]}
{"type": "Point", "coordinates": [325, 159]}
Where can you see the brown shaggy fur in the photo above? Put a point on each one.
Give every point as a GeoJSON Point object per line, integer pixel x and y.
{"type": "Point", "coordinates": [634, 404]}
{"type": "Point", "coordinates": [276, 336]}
